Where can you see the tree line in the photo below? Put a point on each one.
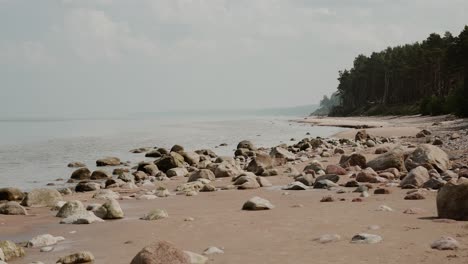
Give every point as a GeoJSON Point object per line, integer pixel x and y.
{"type": "Point", "coordinates": [428, 77]}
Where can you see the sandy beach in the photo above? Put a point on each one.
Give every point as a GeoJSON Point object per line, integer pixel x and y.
{"type": "Point", "coordinates": [284, 234]}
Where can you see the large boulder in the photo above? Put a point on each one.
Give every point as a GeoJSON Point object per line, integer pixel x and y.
{"type": "Point", "coordinates": [87, 186]}
{"type": "Point", "coordinates": [416, 177]}
{"type": "Point", "coordinates": [10, 250]}
{"type": "Point", "coordinates": [70, 208]}
{"type": "Point", "coordinates": [12, 208]}
{"type": "Point", "coordinates": [428, 156]}
{"type": "Point", "coordinates": [42, 198]}
{"type": "Point", "coordinates": [452, 201]}
{"type": "Point", "coordinates": [335, 169]}
{"type": "Point", "coordinates": [105, 195]}
{"type": "Point", "coordinates": [100, 175]}
{"type": "Point", "coordinates": [167, 162]}
{"type": "Point", "coordinates": [110, 210]}
{"type": "Point", "coordinates": [260, 163]}
{"type": "Point", "coordinates": [191, 158]}
{"type": "Point", "coordinates": [161, 252]}
{"type": "Point", "coordinates": [201, 174]}
{"type": "Point", "coordinates": [226, 169]}
{"type": "Point", "coordinates": [366, 175]}
{"type": "Point", "coordinates": [281, 155]}
{"type": "Point", "coordinates": [355, 159]}
{"type": "Point", "coordinates": [392, 159]}
{"type": "Point", "coordinates": [245, 144]}
{"type": "Point", "coordinates": [108, 161]}
{"type": "Point", "coordinates": [81, 174]}
{"type": "Point", "coordinates": [256, 203]}
{"type": "Point", "coordinates": [81, 218]}
{"type": "Point", "coordinates": [177, 172]}
{"type": "Point", "coordinates": [11, 194]}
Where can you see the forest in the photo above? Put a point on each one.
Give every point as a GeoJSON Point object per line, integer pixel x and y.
{"type": "Point", "coordinates": [428, 77]}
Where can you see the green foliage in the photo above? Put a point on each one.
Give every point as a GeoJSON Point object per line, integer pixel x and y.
{"type": "Point", "coordinates": [426, 77]}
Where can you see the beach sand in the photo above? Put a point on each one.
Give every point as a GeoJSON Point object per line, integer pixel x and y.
{"type": "Point", "coordinates": [284, 234]}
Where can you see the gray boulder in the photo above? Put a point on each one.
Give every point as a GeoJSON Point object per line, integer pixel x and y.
{"type": "Point", "coordinates": [452, 201]}
{"type": "Point", "coordinates": [110, 210]}
{"type": "Point", "coordinates": [12, 208]}
{"type": "Point", "coordinates": [428, 156]}
{"type": "Point", "coordinates": [42, 198]}
{"type": "Point", "coordinates": [71, 208]}
{"type": "Point", "coordinates": [416, 177]}
{"type": "Point", "coordinates": [257, 203]}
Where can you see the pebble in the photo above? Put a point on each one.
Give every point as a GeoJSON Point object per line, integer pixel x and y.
{"type": "Point", "coordinates": [213, 250]}
{"type": "Point", "coordinates": [384, 208]}
{"type": "Point", "coordinates": [47, 249]}
{"type": "Point", "coordinates": [364, 238]}
{"type": "Point", "coordinates": [189, 219]}
{"type": "Point", "coordinates": [445, 243]}
{"type": "Point", "coordinates": [328, 238]}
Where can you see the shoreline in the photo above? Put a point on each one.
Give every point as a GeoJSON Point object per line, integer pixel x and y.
{"type": "Point", "coordinates": [286, 232]}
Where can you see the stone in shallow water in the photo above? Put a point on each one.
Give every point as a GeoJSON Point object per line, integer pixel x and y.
{"type": "Point", "coordinates": [445, 243]}
{"type": "Point", "coordinates": [364, 238]}
{"type": "Point", "coordinates": [328, 238]}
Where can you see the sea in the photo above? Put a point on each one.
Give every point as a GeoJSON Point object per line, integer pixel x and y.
{"type": "Point", "coordinates": [36, 151]}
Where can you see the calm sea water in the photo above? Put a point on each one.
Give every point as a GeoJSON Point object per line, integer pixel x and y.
{"type": "Point", "coordinates": [36, 152]}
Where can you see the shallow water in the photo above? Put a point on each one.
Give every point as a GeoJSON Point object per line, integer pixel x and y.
{"type": "Point", "coordinates": [36, 152]}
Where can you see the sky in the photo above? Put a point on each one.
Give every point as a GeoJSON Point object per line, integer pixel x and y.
{"type": "Point", "coordinates": [85, 57]}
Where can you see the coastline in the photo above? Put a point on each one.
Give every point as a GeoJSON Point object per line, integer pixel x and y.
{"type": "Point", "coordinates": [285, 233]}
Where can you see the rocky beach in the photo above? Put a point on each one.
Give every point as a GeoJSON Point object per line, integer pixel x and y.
{"type": "Point", "coordinates": [386, 190]}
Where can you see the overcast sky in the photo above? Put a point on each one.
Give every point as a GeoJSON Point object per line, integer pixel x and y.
{"type": "Point", "coordinates": [62, 57]}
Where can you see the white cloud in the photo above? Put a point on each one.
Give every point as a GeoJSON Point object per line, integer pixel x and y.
{"type": "Point", "coordinates": [26, 53]}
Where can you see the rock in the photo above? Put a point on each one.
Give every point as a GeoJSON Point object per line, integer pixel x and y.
{"type": "Point", "coordinates": [327, 199]}
{"type": "Point", "coordinates": [208, 188]}
{"type": "Point", "coordinates": [120, 171]}
{"type": "Point", "coordinates": [190, 186]}
{"type": "Point", "coordinates": [331, 177]}
{"type": "Point", "coordinates": [85, 217]}
{"type": "Point", "coordinates": [12, 208]}
{"type": "Point", "coordinates": [225, 169]}
{"type": "Point", "coordinates": [41, 198]}
{"type": "Point", "coordinates": [263, 182]}
{"type": "Point", "coordinates": [416, 177]}
{"type": "Point", "coordinates": [212, 251]}
{"type": "Point", "coordinates": [201, 174]}
{"type": "Point", "coordinates": [314, 166]}
{"type": "Point", "coordinates": [126, 177]}
{"type": "Point", "coordinates": [454, 136]}
{"type": "Point", "coordinates": [10, 250]}
{"type": "Point", "coordinates": [11, 194]}
{"type": "Point", "coordinates": [106, 194]}
{"type": "Point", "coordinates": [80, 257]}
{"type": "Point", "coordinates": [335, 169]}
{"type": "Point", "coordinates": [392, 159]}
{"type": "Point", "coordinates": [161, 252]}
{"type": "Point", "coordinates": [100, 175]}
{"type": "Point", "coordinates": [296, 186]}
{"type": "Point", "coordinates": [352, 183]}
{"type": "Point", "coordinates": [64, 191]}
{"type": "Point", "coordinates": [148, 168]}
{"type": "Point", "coordinates": [47, 249]}
{"type": "Point", "coordinates": [384, 208]}
{"type": "Point", "coordinates": [71, 208]}
{"type": "Point", "coordinates": [245, 144]}
{"type": "Point", "coordinates": [76, 164]}
{"type": "Point", "coordinates": [292, 172]}
{"type": "Point", "coordinates": [382, 191]}
{"type": "Point", "coordinates": [140, 176]}
{"type": "Point", "coordinates": [249, 184]}
{"type": "Point", "coordinates": [382, 150]}
{"type": "Point", "coordinates": [110, 210]}
{"type": "Point", "coordinates": [364, 194]}
{"type": "Point", "coordinates": [307, 179]}
{"type": "Point", "coordinates": [414, 210]}
{"type": "Point", "coordinates": [328, 238]}
{"type": "Point", "coordinates": [339, 151]}
{"type": "Point", "coordinates": [324, 184]}
{"type": "Point", "coordinates": [81, 174]}
{"type": "Point", "coordinates": [108, 161]}
{"type": "Point", "coordinates": [153, 154]}
{"type": "Point", "coordinates": [362, 136]}
{"type": "Point", "coordinates": [354, 159]}
{"type": "Point", "coordinates": [452, 201]}
{"type": "Point", "coordinates": [428, 156]}
{"type": "Point", "coordinates": [177, 172]}
{"type": "Point", "coordinates": [163, 193]}
{"type": "Point", "coordinates": [177, 148]}
{"type": "Point", "coordinates": [364, 238]}
{"type": "Point", "coordinates": [170, 161]}
{"type": "Point", "coordinates": [257, 203]}
{"type": "Point", "coordinates": [445, 243]}
{"type": "Point", "coordinates": [44, 240]}
{"type": "Point", "coordinates": [156, 214]}
{"type": "Point", "coordinates": [260, 163]}
{"type": "Point", "coordinates": [191, 158]}
{"type": "Point", "coordinates": [196, 258]}
{"type": "Point", "coordinates": [437, 142]}
{"type": "Point", "coordinates": [87, 186]}
{"type": "Point", "coordinates": [366, 175]}
{"type": "Point", "coordinates": [415, 196]}
{"type": "Point", "coordinates": [281, 156]}
{"type": "Point", "coordinates": [147, 197]}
